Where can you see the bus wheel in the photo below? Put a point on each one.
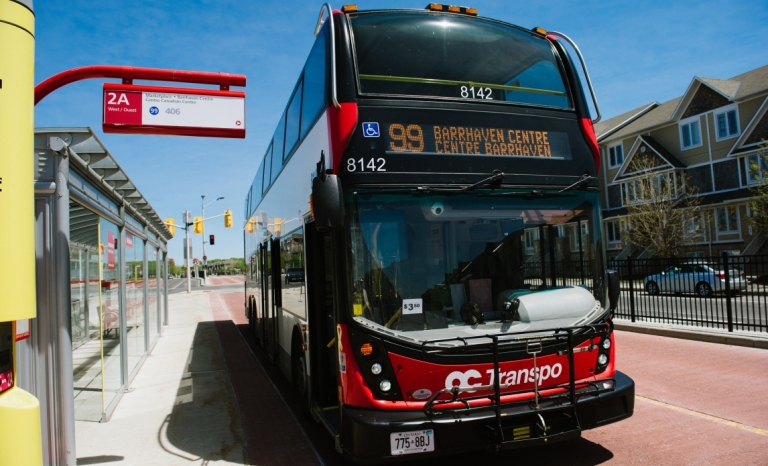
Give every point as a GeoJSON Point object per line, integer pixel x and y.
{"type": "Point", "coordinates": [301, 381]}
{"type": "Point", "coordinates": [652, 288]}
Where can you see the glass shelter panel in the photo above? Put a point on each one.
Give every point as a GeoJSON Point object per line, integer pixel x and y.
{"type": "Point", "coordinates": [84, 308]}
{"type": "Point", "coordinates": [153, 301]}
{"type": "Point", "coordinates": [109, 303]}
{"type": "Point", "coordinates": [162, 283]}
{"type": "Point", "coordinates": [78, 266]}
{"type": "Point", "coordinates": [134, 299]}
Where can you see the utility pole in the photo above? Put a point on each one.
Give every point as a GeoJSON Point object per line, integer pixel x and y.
{"type": "Point", "coordinates": [205, 261]}
{"type": "Point", "coordinates": [188, 247]}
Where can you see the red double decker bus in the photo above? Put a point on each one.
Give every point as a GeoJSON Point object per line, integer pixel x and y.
{"type": "Point", "coordinates": [424, 239]}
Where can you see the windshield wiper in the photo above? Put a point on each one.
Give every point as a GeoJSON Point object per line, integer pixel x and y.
{"type": "Point", "coordinates": [497, 175]}
{"type": "Point", "coordinates": [585, 179]}
{"type": "Point", "coordinates": [535, 193]}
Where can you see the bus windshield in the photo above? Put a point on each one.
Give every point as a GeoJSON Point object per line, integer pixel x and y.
{"type": "Point", "coordinates": [451, 56]}
{"type": "Point", "coordinates": [420, 263]}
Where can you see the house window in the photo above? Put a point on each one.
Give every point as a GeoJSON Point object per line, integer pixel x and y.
{"type": "Point", "coordinates": [616, 155]}
{"type": "Point", "coordinates": [690, 133]}
{"type": "Point", "coordinates": [727, 219]}
{"type": "Point", "coordinates": [531, 236]}
{"type": "Point", "coordinates": [694, 228]}
{"type": "Point", "coordinates": [632, 192]}
{"type": "Point", "coordinates": [727, 124]}
{"type": "Point", "coordinates": [613, 231]}
{"type": "Point", "coordinates": [757, 168]}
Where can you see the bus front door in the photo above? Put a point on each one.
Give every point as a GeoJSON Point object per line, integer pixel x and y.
{"type": "Point", "coordinates": [277, 298]}
{"type": "Point", "coordinates": [264, 282]}
{"type": "Point", "coordinates": [321, 316]}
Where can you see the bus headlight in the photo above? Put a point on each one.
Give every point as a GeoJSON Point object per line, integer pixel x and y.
{"type": "Point", "coordinates": [385, 385]}
{"type": "Point", "coordinates": [602, 359]}
{"type": "Point", "coordinates": [376, 369]}
{"type": "Point", "coordinates": [607, 343]}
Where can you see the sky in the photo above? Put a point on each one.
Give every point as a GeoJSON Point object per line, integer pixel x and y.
{"type": "Point", "coordinates": [636, 52]}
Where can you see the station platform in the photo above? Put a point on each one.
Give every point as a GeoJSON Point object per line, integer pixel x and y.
{"type": "Point", "coordinates": [201, 397]}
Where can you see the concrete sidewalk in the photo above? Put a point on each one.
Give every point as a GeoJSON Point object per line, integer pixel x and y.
{"type": "Point", "coordinates": [181, 408]}
{"type": "Point", "coordinates": [709, 335]}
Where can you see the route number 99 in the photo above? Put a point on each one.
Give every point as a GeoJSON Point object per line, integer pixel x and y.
{"type": "Point", "coordinates": [406, 138]}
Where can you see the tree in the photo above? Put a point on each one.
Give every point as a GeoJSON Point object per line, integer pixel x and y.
{"type": "Point", "coordinates": [663, 209]}
{"type": "Point", "coordinates": [758, 205]}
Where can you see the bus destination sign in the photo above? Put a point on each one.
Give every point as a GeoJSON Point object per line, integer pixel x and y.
{"type": "Point", "coordinates": [173, 111]}
{"type": "Point", "coordinates": [468, 140]}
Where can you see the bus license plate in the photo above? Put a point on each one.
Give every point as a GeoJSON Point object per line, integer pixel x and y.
{"type": "Point", "coordinates": [405, 443]}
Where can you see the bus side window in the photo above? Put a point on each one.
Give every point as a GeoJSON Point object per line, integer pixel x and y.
{"type": "Point", "coordinates": [277, 150]}
{"type": "Point", "coordinates": [314, 84]}
{"type": "Point", "coordinates": [293, 290]}
{"type": "Point", "coordinates": [293, 120]}
{"type": "Point", "coordinates": [267, 166]}
{"type": "Point", "coordinates": [258, 180]}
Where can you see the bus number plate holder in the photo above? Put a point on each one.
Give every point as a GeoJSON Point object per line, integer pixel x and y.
{"type": "Point", "coordinates": [406, 443]}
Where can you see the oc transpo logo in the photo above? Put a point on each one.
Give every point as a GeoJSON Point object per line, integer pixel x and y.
{"type": "Point", "coordinates": [473, 378]}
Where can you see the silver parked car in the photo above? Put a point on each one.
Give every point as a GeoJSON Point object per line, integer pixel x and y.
{"type": "Point", "coordinates": [692, 277]}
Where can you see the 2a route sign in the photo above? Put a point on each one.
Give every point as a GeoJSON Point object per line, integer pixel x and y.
{"type": "Point", "coordinates": [173, 111]}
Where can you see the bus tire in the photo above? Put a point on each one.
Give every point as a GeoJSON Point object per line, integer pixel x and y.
{"type": "Point", "coordinates": [652, 288]}
{"type": "Point", "coordinates": [299, 376]}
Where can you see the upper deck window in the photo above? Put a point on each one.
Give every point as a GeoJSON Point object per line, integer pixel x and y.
{"type": "Point", "coordinates": [450, 56]}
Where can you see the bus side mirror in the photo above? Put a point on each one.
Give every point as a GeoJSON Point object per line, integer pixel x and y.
{"type": "Point", "coordinates": [613, 289]}
{"type": "Point", "coordinates": [327, 203]}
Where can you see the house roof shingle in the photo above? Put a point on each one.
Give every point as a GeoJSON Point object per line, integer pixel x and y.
{"type": "Point", "coordinates": [607, 127]}
{"type": "Point", "coordinates": [735, 88]}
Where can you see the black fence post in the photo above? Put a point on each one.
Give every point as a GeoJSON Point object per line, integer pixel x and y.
{"type": "Point", "coordinates": [728, 305]}
{"type": "Point", "coordinates": [631, 277]}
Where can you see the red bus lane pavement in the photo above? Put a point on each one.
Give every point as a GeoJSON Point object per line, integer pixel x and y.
{"type": "Point", "coordinates": [225, 280]}
{"type": "Point", "coordinates": [696, 403]}
{"type": "Point", "coordinates": [272, 434]}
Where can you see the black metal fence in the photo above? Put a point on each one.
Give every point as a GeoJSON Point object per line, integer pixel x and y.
{"type": "Point", "coordinates": [560, 273]}
{"type": "Point", "coordinates": [723, 292]}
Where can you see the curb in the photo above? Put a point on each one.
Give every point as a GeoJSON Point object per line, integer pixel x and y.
{"type": "Point", "coordinates": [723, 338]}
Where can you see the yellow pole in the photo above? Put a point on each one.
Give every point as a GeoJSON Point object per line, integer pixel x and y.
{"type": "Point", "coordinates": [20, 440]}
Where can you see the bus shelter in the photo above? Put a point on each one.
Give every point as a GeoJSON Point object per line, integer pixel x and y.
{"type": "Point", "coordinates": [101, 267]}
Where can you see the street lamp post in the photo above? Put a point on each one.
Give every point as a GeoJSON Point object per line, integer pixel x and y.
{"type": "Point", "coordinates": [205, 262]}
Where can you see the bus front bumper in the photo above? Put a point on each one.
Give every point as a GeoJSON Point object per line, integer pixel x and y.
{"type": "Point", "coordinates": [365, 434]}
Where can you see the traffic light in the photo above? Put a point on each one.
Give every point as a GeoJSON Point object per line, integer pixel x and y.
{"type": "Point", "coordinates": [198, 221]}
{"type": "Point", "coordinates": [210, 240]}
{"type": "Point", "coordinates": [228, 218]}
{"type": "Point", "coordinates": [169, 222]}
{"type": "Point", "coordinates": [249, 226]}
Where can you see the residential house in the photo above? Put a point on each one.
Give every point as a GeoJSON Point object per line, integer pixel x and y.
{"type": "Point", "coordinates": [710, 135]}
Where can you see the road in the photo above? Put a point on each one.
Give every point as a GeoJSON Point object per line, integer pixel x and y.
{"type": "Point", "coordinates": [222, 283]}
{"type": "Point", "coordinates": [696, 403]}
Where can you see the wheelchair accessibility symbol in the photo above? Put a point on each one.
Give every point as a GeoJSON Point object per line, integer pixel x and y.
{"type": "Point", "coordinates": [371, 130]}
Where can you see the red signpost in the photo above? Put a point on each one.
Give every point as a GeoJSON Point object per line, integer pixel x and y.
{"type": "Point", "coordinates": [162, 110]}
{"type": "Point", "coordinates": [174, 111]}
